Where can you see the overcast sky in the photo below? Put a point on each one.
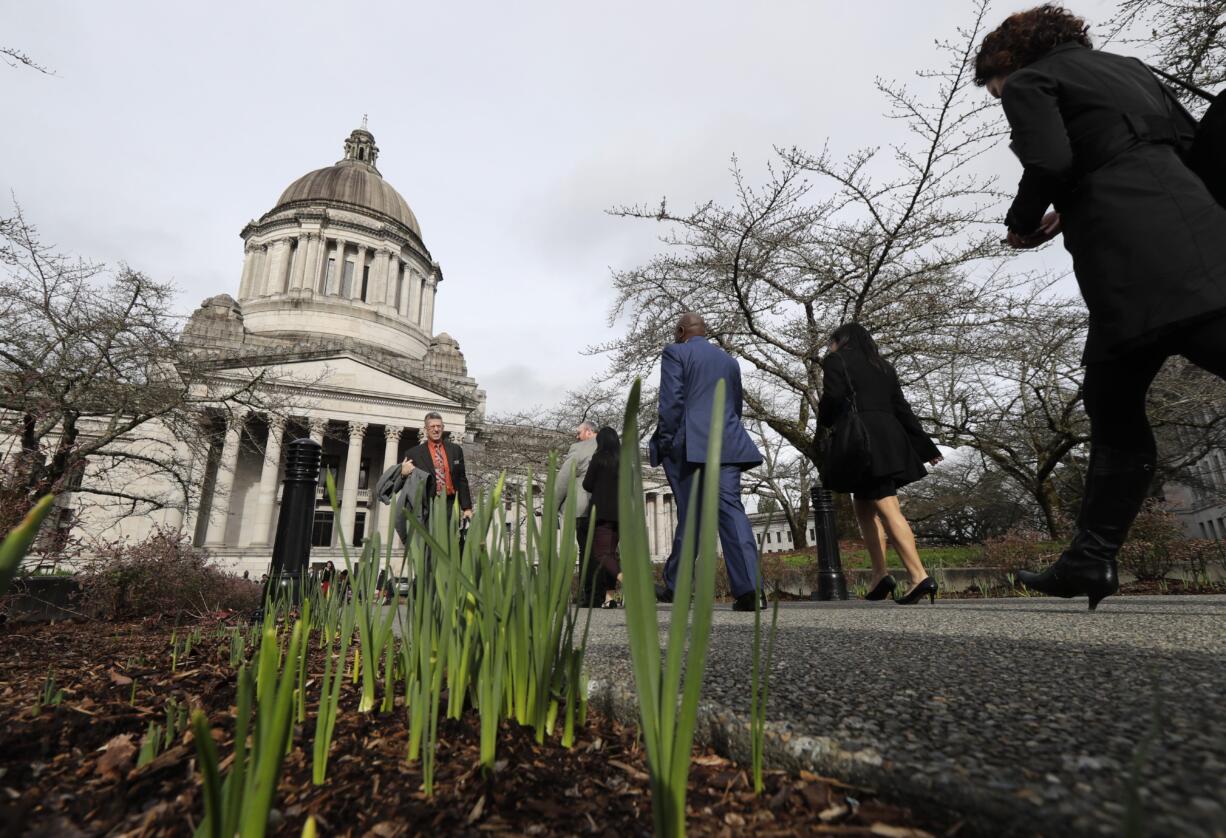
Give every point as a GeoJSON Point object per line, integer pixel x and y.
{"type": "Point", "coordinates": [509, 127]}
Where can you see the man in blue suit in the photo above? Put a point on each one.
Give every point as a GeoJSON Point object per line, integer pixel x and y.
{"type": "Point", "coordinates": [689, 371]}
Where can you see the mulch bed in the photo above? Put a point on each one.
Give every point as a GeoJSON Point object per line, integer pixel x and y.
{"type": "Point", "coordinates": [69, 770]}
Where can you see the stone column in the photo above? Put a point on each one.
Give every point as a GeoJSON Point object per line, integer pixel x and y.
{"type": "Point", "coordinates": [391, 452]}
{"type": "Point", "coordinates": [223, 485]}
{"type": "Point", "coordinates": [393, 278]}
{"type": "Point", "coordinates": [315, 257]}
{"type": "Point", "coordinates": [413, 309]}
{"type": "Point", "coordinates": [378, 278]}
{"type": "Point", "coordinates": [300, 260]}
{"type": "Point", "coordinates": [338, 271]}
{"type": "Point", "coordinates": [259, 269]}
{"type": "Point", "coordinates": [267, 498]}
{"type": "Point", "coordinates": [279, 255]}
{"type": "Point", "coordinates": [349, 492]}
{"type": "Point", "coordinates": [244, 284]}
{"type": "Point", "coordinates": [427, 304]}
{"type": "Point", "coordinates": [316, 428]}
{"type": "Point", "coordinates": [359, 264]}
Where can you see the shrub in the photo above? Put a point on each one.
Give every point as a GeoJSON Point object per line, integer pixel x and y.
{"type": "Point", "coordinates": [1155, 543]}
{"type": "Point", "coordinates": [164, 575]}
{"type": "Point", "coordinates": [1020, 549]}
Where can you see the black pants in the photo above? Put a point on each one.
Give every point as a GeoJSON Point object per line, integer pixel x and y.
{"type": "Point", "coordinates": [1120, 433]}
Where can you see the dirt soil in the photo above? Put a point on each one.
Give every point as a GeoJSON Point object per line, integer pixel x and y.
{"type": "Point", "coordinates": [69, 770]}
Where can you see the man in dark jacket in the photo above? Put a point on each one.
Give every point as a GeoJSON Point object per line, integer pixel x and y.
{"type": "Point", "coordinates": [689, 371]}
{"type": "Point", "coordinates": [445, 459]}
{"type": "Point", "coordinates": [1100, 140]}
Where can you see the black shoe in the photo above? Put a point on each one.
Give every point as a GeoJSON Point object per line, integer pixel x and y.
{"type": "Point", "coordinates": [882, 589]}
{"type": "Point", "coordinates": [664, 593]}
{"type": "Point", "coordinates": [1117, 483]}
{"type": "Point", "coordinates": [1084, 568]}
{"type": "Point", "coordinates": [610, 603]}
{"type": "Point", "coordinates": [745, 602]}
{"type": "Point", "coordinates": [927, 587]}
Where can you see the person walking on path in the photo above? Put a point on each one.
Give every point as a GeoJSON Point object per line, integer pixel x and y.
{"type": "Point", "coordinates": [690, 368]}
{"type": "Point", "coordinates": [1100, 140]}
{"type": "Point", "coordinates": [601, 482]}
{"type": "Point", "coordinates": [570, 478]}
{"type": "Point", "coordinates": [854, 369]}
{"type": "Point", "coordinates": [445, 459]}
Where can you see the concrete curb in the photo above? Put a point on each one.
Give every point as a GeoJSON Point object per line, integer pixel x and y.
{"type": "Point", "coordinates": [982, 811]}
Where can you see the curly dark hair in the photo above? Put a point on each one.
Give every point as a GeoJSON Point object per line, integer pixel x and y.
{"type": "Point", "coordinates": [1024, 37]}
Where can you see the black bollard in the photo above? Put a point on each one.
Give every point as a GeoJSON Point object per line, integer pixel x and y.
{"type": "Point", "coordinates": [831, 584]}
{"type": "Point", "coordinates": [291, 552]}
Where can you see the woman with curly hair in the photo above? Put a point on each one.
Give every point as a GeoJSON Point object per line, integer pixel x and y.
{"type": "Point", "coordinates": [1100, 141]}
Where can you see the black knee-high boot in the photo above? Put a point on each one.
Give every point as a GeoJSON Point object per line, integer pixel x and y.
{"type": "Point", "coordinates": [1117, 484]}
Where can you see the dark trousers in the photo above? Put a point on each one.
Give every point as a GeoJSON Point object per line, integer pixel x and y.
{"type": "Point", "coordinates": [1122, 448]}
{"type": "Point", "coordinates": [604, 557]}
{"type": "Point", "coordinates": [735, 533]}
{"type": "Point", "coordinates": [597, 579]}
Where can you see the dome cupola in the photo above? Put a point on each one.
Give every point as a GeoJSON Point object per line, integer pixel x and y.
{"type": "Point", "coordinates": [341, 253]}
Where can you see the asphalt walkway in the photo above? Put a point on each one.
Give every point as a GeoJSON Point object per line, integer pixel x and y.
{"type": "Point", "coordinates": [1030, 716]}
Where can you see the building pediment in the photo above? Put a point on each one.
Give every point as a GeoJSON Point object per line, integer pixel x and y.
{"type": "Point", "coordinates": [343, 374]}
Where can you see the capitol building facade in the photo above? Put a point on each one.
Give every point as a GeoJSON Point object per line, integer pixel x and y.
{"type": "Point", "coordinates": [335, 307]}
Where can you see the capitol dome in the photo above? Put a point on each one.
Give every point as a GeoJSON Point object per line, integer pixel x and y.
{"type": "Point", "coordinates": [351, 182]}
{"type": "Point", "coordinates": [340, 254]}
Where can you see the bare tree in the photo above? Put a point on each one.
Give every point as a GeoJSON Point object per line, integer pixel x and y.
{"type": "Point", "coordinates": [782, 483]}
{"type": "Point", "coordinates": [966, 501]}
{"type": "Point", "coordinates": [905, 243]}
{"type": "Point", "coordinates": [16, 58]}
{"type": "Point", "coordinates": [1186, 38]}
{"type": "Point", "coordinates": [97, 395]}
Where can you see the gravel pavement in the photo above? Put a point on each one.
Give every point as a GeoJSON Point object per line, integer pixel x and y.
{"type": "Point", "coordinates": [1028, 716]}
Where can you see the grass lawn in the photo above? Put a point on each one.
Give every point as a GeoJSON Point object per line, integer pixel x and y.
{"type": "Point", "coordinates": [969, 555]}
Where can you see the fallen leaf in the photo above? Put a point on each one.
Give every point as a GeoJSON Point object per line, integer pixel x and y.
{"type": "Point", "coordinates": [833, 814]}
{"type": "Point", "coordinates": [884, 830]}
{"type": "Point", "coordinates": [475, 814]}
{"type": "Point", "coordinates": [119, 752]}
{"type": "Point", "coordinates": [709, 759]}
{"type": "Point", "coordinates": [629, 769]}
{"type": "Point", "coordinates": [733, 819]}
{"type": "Point", "coordinates": [120, 680]}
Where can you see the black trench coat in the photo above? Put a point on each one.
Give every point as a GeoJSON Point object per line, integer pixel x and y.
{"type": "Point", "coordinates": [900, 446]}
{"type": "Point", "coordinates": [1099, 138]}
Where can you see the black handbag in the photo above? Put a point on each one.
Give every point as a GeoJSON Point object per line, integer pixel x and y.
{"type": "Point", "coordinates": [1207, 154]}
{"type": "Point", "coordinates": [848, 460]}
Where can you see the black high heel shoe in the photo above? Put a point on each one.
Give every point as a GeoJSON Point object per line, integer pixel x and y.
{"type": "Point", "coordinates": [928, 586]}
{"type": "Point", "coordinates": [882, 589]}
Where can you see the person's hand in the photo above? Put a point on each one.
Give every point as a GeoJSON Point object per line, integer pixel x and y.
{"type": "Point", "coordinates": [1048, 229]}
{"type": "Point", "coordinates": [468, 514]}
{"type": "Point", "coordinates": [935, 460]}
{"type": "Point", "coordinates": [406, 467]}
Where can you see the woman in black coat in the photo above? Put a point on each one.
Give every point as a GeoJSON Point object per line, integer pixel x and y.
{"type": "Point", "coordinates": [1100, 139]}
{"type": "Point", "coordinates": [854, 368]}
{"type": "Point", "coordinates": [601, 482]}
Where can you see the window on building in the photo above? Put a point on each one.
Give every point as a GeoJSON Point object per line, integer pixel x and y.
{"type": "Point", "coordinates": [321, 528]}
{"type": "Point", "coordinates": [364, 475]}
{"type": "Point", "coordinates": [811, 535]}
{"type": "Point", "coordinates": [347, 280]}
{"type": "Point", "coordinates": [365, 282]}
{"type": "Point", "coordinates": [1204, 533]}
{"type": "Point", "coordinates": [327, 277]}
{"type": "Point", "coordinates": [1212, 529]}
{"type": "Point", "coordinates": [399, 289]}
{"type": "Point", "coordinates": [359, 528]}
